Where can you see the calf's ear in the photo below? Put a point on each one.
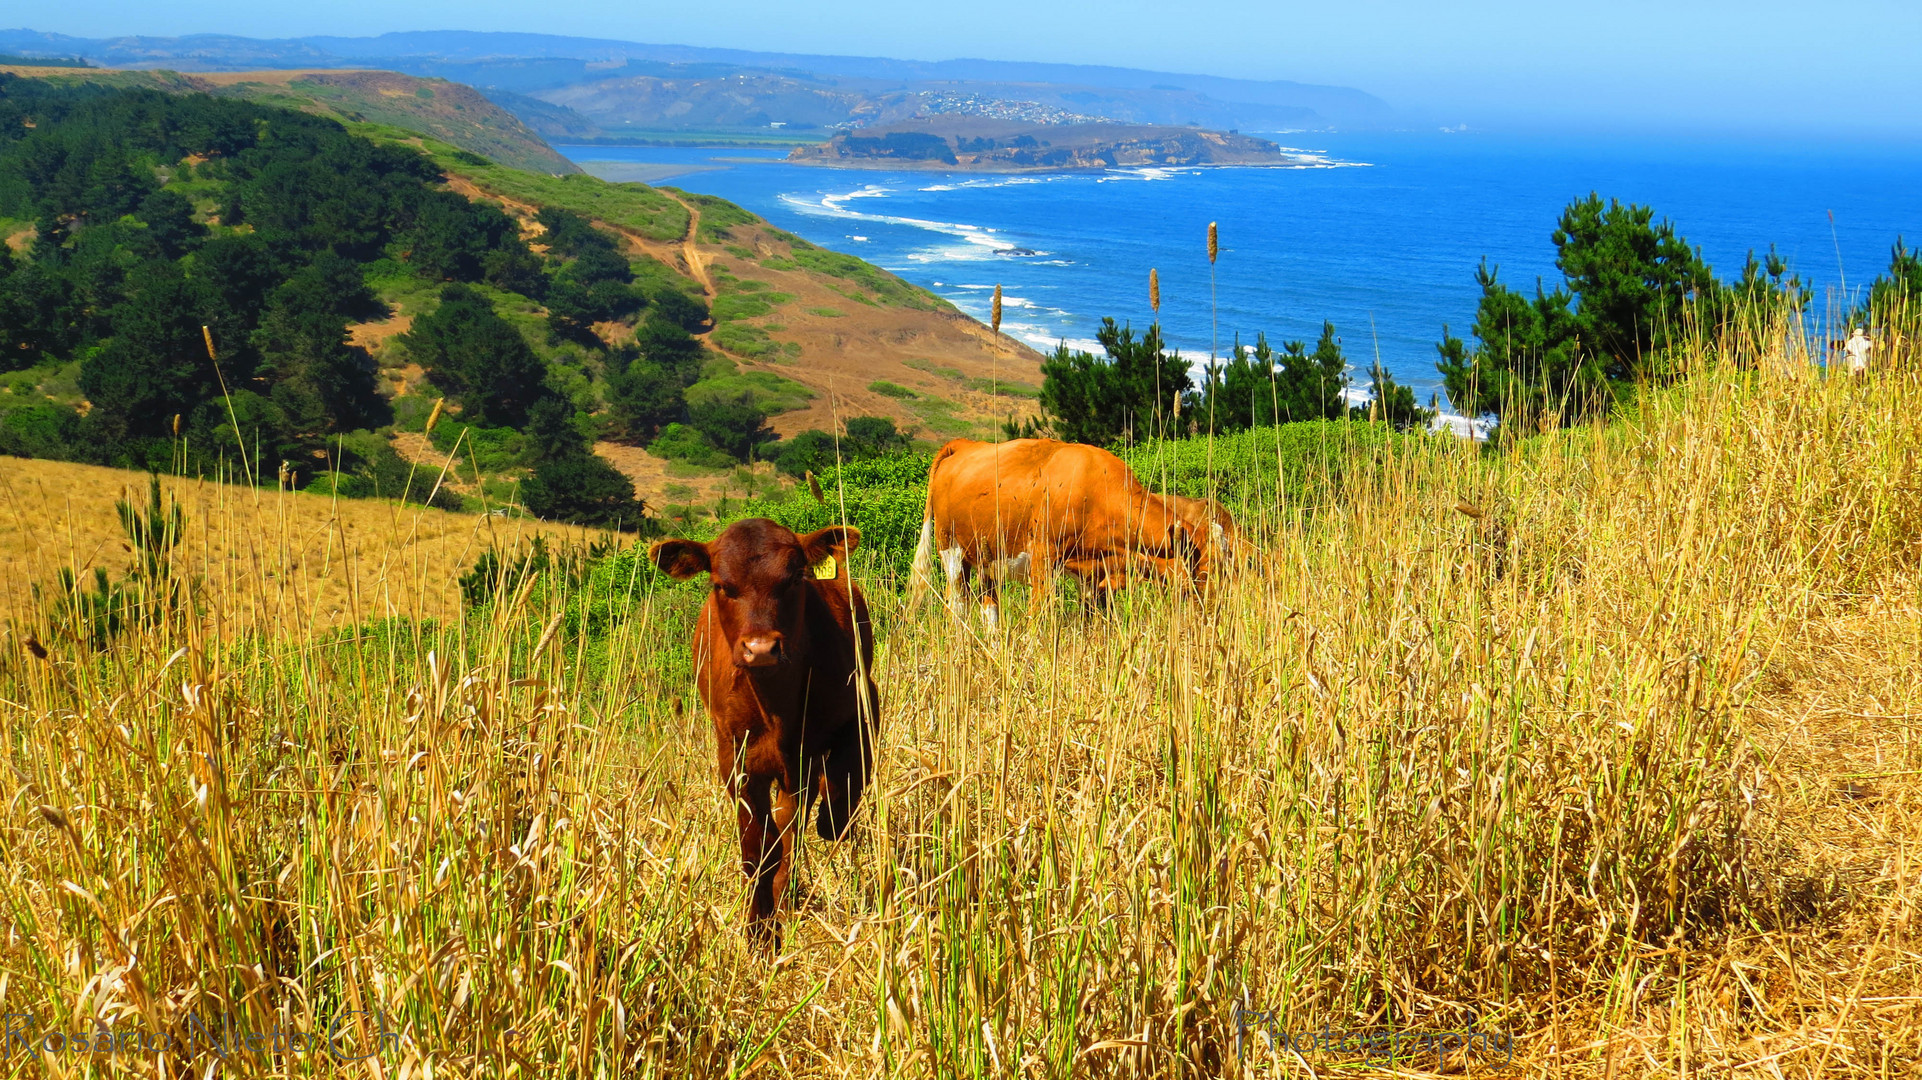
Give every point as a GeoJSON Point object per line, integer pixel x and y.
{"type": "Point", "coordinates": [680, 559]}
{"type": "Point", "coordinates": [833, 542]}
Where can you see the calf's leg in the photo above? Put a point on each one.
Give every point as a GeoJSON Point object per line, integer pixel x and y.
{"type": "Point", "coordinates": [843, 775]}
{"type": "Point", "coordinates": [764, 814]}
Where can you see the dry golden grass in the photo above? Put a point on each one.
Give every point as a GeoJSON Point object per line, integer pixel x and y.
{"type": "Point", "coordinates": [1608, 743]}
{"type": "Point", "coordinates": [283, 563]}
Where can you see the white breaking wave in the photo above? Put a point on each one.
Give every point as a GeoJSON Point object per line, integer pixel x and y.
{"type": "Point", "coordinates": [1472, 428]}
{"type": "Point", "coordinates": [978, 242]}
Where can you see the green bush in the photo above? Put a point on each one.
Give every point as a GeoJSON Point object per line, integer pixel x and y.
{"type": "Point", "coordinates": [680, 442]}
{"type": "Point", "coordinates": [411, 412]}
{"type": "Point", "coordinates": [1303, 464]}
{"type": "Point", "coordinates": [644, 397]}
{"type": "Point", "coordinates": [735, 424]}
{"type": "Point", "coordinates": [809, 451]}
{"type": "Point", "coordinates": [491, 449]}
{"type": "Point", "coordinates": [375, 470]}
{"type": "Point", "coordinates": [883, 497]}
{"type": "Point", "coordinates": [674, 305]}
{"type": "Point", "coordinates": [816, 451]}
{"type": "Point", "coordinates": [39, 431]}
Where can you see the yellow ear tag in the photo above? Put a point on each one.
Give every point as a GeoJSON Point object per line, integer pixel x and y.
{"type": "Point", "coordinates": [824, 570]}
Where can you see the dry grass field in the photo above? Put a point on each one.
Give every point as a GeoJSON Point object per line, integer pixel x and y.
{"type": "Point", "coordinates": [1607, 744]}
{"type": "Point", "coordinates": [284, 563]}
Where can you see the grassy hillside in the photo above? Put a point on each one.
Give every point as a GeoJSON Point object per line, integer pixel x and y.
{"type": "Point", "coordinates": [1604, 745]}
{"type": "Point", "coordinates": [799, 332]}
{"type": "Point", "coordinates": [451, 112]}
{"type": "Point", "coordinates": [783, 306]}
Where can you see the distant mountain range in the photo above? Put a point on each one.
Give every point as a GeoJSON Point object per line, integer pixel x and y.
{"type": "Point", "coordinates": [591, 88]}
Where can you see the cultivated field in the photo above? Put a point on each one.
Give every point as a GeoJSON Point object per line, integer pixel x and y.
{"type": "Point", "coordinates": [1607, 743]}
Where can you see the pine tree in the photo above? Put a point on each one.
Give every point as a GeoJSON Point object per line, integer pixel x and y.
{"type": "Point", "coordinates": [1127, 393]}
{"type": "Point", "coordinates": [478, 359]}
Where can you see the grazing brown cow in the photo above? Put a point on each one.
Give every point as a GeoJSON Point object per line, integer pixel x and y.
{"type": "Point", "coordinates": [1031, 505]}
{"type": "Point", "coordinates": [783, 661]}
{"type": "Point", "coordinates": [1211, 528]}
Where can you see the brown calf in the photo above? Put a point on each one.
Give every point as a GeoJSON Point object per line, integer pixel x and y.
{"type": "Point", "coordinates": [783, 661]}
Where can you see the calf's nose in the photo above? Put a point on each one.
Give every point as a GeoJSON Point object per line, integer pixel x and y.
{"type": "Point", "coordinates": [759, 650]}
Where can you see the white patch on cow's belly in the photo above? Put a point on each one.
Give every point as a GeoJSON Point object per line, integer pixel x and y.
{"type": "Point", "coordinates": [1017, 566]}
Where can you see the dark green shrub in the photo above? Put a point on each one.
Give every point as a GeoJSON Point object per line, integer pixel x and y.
{"type": "Point", "coordinates": [735, 424]}
{"type": "Point", "coordinates": [583, 489]}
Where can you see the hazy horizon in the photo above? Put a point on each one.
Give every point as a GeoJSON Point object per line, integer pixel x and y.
{"type": "Point", "coordinates": [1758, 68]}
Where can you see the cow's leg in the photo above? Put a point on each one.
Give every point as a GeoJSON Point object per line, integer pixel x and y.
{"type": "Point", "coordinates": [1083, 571]}
{"type": "Point", "coordinates": [990, 600]}
{"type": "Point", "coordinates": [1040, 577]}
{"type": "Point", "coordinates": [844, 774]}
{"type": "Point", "coordinates": [786, 803]}
{"type": "Point", "coordinates": [954, 565]}
{"type": "Point", "coordinates": [1105, 575]}
{"type": "Point", "coordinates": [764, 810]}
{"type": "Point", "coordinates": [762, 853]}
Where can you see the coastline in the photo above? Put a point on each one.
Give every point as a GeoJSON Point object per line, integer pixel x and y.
{"type": "Point", "coordinates": [999, 169]}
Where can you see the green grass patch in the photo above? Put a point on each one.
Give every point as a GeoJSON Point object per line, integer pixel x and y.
{"type": "Point", "coordinates": [716, 210]}
{"type": "Point", "coordinates": [827, 312]}
{"type": "Point", "coordinates": [938, 414]}
{"type": "Point", "coordinates": [773, 393]}
{"type": "Point", "coordinates": [980, 385]}
{"type": "Point", "coordinates": [885, 287]}
{"type": "Point", "coordinates": [632, 206]}
{"type": "Point", "coordinates": [735, 306]}
{"type": "Point", "coordinates": [744, 340]}
{"type": "Point", "coordinates": [893, 390]}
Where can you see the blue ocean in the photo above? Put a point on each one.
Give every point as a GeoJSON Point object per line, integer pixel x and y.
{"type": "Point", "coordinates": [1379, 234]}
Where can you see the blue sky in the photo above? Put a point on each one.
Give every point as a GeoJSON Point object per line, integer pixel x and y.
{"type": "Point", "coordinates": [1689, 65]}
